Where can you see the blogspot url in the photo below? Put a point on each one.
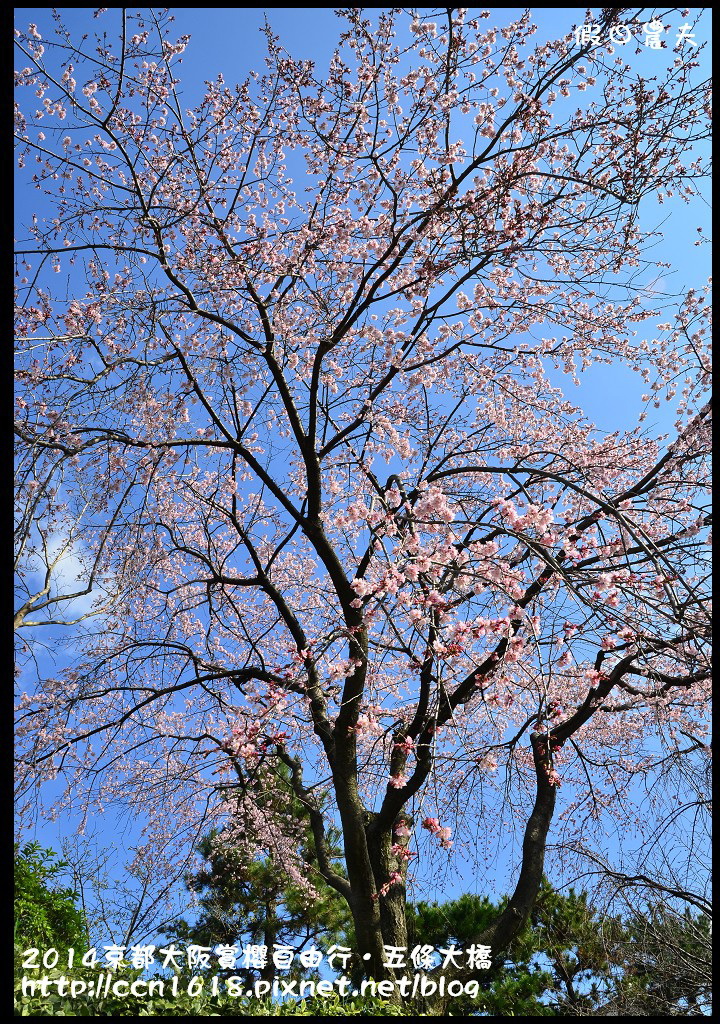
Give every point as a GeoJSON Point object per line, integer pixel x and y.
{"type": "Point", "coordinates": [413, 986]}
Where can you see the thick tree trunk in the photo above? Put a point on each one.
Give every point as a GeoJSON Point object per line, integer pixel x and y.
{"type": "Point", "coordinates": [515, 916]}
{"type": "Point", "coordinates": [517, 913]}
{"type": "Point", "coordinates": [364, 902]}
{"type": "Point", "coordinates": [380, 913]}
{"type": "Point", "coordinates": [389, 874]}
{"type": "Point", "coordinates": [377, 880]}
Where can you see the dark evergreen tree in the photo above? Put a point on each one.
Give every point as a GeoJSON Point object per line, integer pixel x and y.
{"type": "Point", "coordinates": [245, 899]}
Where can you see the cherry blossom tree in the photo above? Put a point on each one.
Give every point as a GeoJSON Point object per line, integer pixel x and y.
{"type": "Point", "coordinates": [291, 371]}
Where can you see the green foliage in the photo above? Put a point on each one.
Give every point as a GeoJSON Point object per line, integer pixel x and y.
{"type": "Point", "coordinates": [254, 901]}
{"type": "Point", "coordinates": [249, 899]}
{"type": "Point", "coordinates": [184, 1004]}
{"type": "Point", "coordinates": [654, 961]}
{"type": "Point", "coordinates": [668, 964]}
{"type": "Point", "coordinates": [579, 945]}
{"type": "Point", "coordinates": [456, 920]}
{"type": "Point", "coordinates": [46, 916]}
{"type": "Point", "coordinates": [514, 984]}
{"type": "Point", "coordinates": [569, 961]}
{"type": "Point", "coordinates": [90, 1004]}
{"type": "Point", "coordinates": [332, 1006]}
{"type": "Point", "coordinates": [572, 960]}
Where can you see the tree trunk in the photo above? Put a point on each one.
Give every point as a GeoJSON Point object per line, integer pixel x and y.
{"type": "Point", "coordinates": [389, 871]}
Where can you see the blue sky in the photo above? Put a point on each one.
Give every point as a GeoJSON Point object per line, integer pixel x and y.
{"type": "Point", "coordinates": [229, 40]}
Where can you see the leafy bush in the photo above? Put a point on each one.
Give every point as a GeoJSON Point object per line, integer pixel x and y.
{"type": "Point", "coordinates": [89, 1004]}
{"type": "Point", "coordinates": [45, 916]}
